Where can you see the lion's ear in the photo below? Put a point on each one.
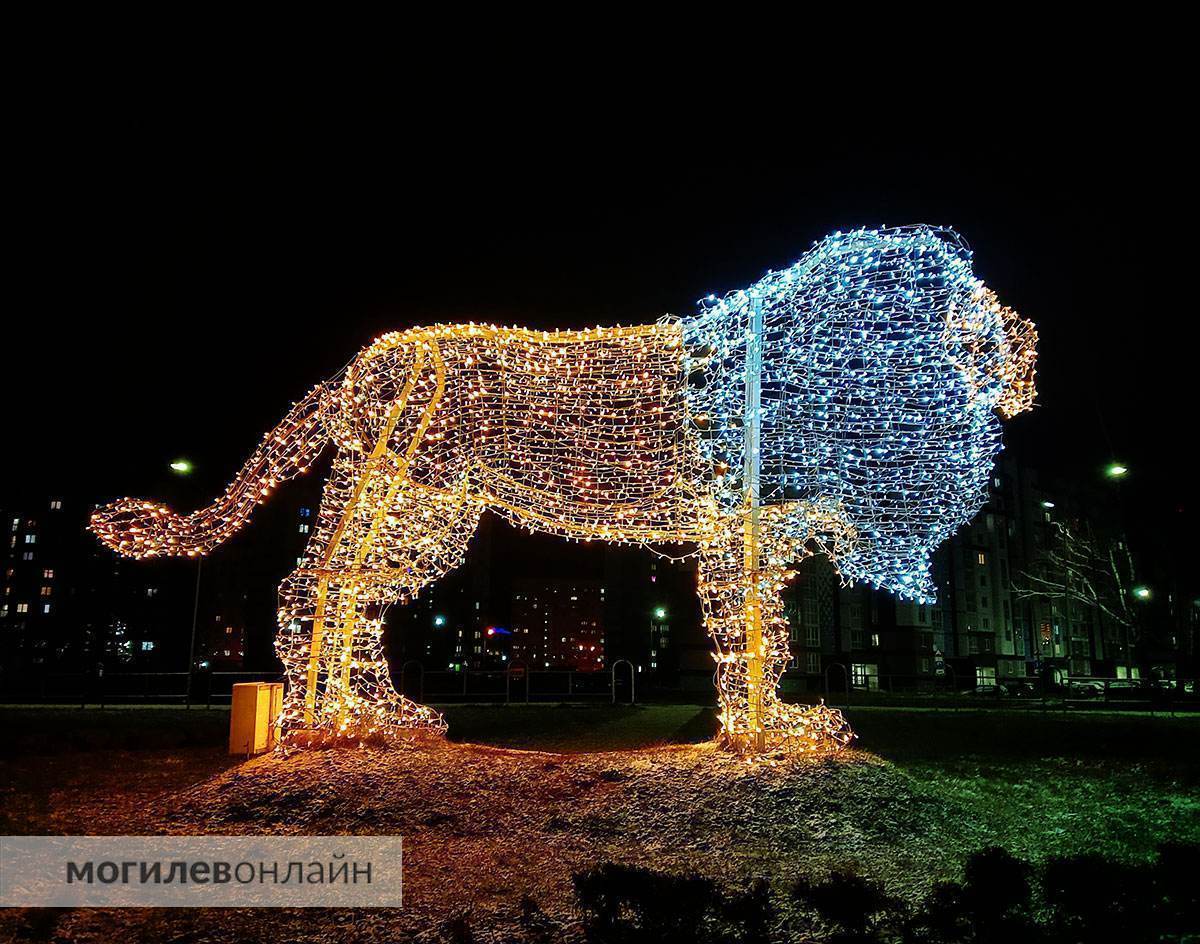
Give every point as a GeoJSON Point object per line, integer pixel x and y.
{"type": "Point", "coordinates": [1020, 365]}
{"type": "Point", "coordinates": [996, 350]}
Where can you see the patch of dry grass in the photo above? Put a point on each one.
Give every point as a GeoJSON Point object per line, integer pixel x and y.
{"type": "Point", "coordinates": [486, 827]}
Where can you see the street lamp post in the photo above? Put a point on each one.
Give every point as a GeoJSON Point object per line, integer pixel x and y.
{"type": "Point", "coordinates": [657, 616]}
{"type": "Point", "coordinates": [184, 467]}
{"type": "Point", "coordinates": [192, 645]}
{"type": "Point", "coordinates": [1116, 471]}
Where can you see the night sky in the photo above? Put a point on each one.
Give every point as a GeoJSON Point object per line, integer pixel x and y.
{"type": "Point", "coordinates": [173, 295]}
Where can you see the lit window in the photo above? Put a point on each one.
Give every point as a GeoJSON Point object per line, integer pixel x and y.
{"type": "Point", "coordinates": [22, 607]}
{"type": "Point", "coordinates": [45, 607]}
{"type": "Point", "coordinates": [48, 574]}
{"type": "Point", "coordinates": [864, 676]}
{"type": "Point", "coordinates": [31, 539]}
{"type": "Point", "coordinates": [46, 591]}
{"type": "Point", "coordinates": [56, 504]}
{"type": "Point", "coordinates": [982, 558]}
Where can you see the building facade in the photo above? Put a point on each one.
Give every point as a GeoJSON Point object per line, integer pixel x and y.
{"type": "Point", "coordinates": [558, 624]}
{"type": "Point", "coordinates": [981, 632]}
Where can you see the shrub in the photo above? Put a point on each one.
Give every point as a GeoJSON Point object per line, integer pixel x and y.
{"type": "Point", "coordinates": [854, 906]}
{"type": "Point", "coordinates": [624, 905]}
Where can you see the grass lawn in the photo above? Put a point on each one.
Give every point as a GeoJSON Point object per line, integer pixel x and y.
{"type": "Point", "coordinates": [524, 796]}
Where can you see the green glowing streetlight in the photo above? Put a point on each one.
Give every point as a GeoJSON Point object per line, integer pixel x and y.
{"type": "Point", "coordinates": [439, 620]}
{"type": "Point", "coordinates": [181, 467]}
{"type": "Point", "coordinates": [660, 612]}
{"type": "Point", "coordinates": [1116, 471]}
{"type": "Point", "coordinates": [1142, 592]}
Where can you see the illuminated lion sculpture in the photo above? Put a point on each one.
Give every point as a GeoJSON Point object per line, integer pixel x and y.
{"type": "Point", "coordinates": [844, 406]}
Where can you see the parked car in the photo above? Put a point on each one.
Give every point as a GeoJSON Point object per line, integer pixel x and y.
{"type": "Point", "coordinates": [1127, 688]}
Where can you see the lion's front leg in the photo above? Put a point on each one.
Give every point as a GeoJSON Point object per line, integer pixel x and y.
{"type": "Point", "coordinates": [752, 651]}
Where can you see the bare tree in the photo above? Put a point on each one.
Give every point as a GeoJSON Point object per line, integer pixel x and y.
{"type": "Point", "coordinates": [1080, 567]}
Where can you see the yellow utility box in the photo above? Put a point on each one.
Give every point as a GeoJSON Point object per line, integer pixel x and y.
{"type": "Point", "coordinates": [255, 707]}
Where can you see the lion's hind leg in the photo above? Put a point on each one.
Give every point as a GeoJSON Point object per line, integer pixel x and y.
{"type": "Point", "coordinates": [341, 688]}
{"type": "Point", "coordinates": [425, 534]}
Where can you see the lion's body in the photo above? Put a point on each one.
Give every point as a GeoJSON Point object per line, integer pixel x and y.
{"type": "Point", "coordinates": [578, 433]}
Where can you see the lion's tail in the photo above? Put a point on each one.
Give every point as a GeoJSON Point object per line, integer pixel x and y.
{"type": "Point", "coordinates": [139, 528]}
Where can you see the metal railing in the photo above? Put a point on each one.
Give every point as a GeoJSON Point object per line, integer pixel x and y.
{"type": "Point", "coordinates": [127, 688]}
{"type": "Point", "coordinates": [516, 683]}
{"type": "Point", "coordinates": [520, 684]}
{"type": "Point", "coordinates": [842, 687]}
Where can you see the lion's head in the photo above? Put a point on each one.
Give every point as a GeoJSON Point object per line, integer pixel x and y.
{"type": "Point", "coordinates": [885, 364]}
